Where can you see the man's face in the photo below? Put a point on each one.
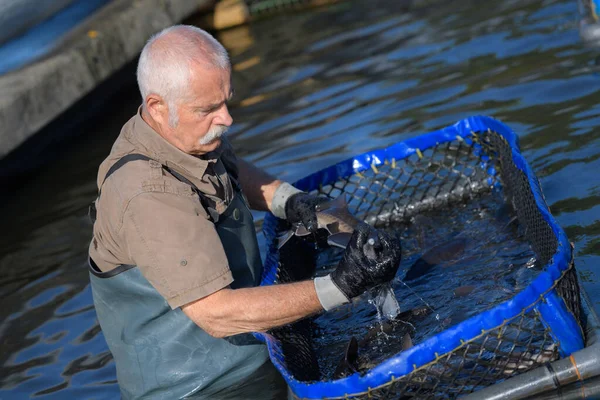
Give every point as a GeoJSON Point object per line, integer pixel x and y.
{"type": "Point", "coordinates": [203, 114]}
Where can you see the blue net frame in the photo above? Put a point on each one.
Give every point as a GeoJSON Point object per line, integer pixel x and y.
{"type": "Point", "coordinates": [537, 325]}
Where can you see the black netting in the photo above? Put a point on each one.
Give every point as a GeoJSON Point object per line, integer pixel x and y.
{"type": "Point", "coordinates": [297, 263]}
{"type": "Point", "coordinates": [297, 347]}
{"type": "Point", "coordinates": [517, 346]}
{"type": "Point", "coordinates": [433, 178]}
{"type": "Point", "coordinates": [392, 192]}
{"type": "Point", "coordinates": [568, 289]}
{"type": "Point", "coordinates": [518, 190]}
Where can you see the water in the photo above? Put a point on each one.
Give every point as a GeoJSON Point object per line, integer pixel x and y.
{"type": "Point", "coordinates": [485, 261]}
{"type": "Point", "coordinates": [314, 88]}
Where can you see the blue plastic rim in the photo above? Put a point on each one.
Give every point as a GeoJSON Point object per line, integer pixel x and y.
{"type": "Point", "coordinates": [553, 312]}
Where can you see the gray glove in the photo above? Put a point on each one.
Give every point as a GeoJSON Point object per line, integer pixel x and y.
{"type": "Point", "coordinates": [295, 206]}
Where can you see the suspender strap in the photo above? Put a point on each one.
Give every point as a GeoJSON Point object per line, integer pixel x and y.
{"type": "Point", "coordinates": [212, 213]}
{"type": "Point", "coordinates": [108, 274]}
{"type": "Point", "coordinates": [122, 161]}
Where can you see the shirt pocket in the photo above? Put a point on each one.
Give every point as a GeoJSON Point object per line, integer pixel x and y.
{"type": "Point", "coordinates": [168, 186]}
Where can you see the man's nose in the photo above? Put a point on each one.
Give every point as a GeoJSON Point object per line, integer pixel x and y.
{"type": "Point", "coordinates": [223, 116]}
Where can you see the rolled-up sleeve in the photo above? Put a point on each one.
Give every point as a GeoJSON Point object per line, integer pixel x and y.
{"type": "Point", "coordinates": [177, 249]}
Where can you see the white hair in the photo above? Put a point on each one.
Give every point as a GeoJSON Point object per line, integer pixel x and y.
{"type": "Point", "coordinates": [164, 66]}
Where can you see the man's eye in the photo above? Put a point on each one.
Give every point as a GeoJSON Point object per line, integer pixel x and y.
{"type": "Point", "coordinates": [209, 110]}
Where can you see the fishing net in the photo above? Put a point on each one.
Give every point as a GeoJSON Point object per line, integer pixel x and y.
{"type": "Point", "coordinates": [429, 172]}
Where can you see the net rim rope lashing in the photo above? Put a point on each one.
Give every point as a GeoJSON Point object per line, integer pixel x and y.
{"type": "Point", "coordinates": [541, 294]}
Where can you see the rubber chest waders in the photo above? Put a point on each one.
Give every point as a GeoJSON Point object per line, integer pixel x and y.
{"type": "Point", "coordinates": [160, 352]}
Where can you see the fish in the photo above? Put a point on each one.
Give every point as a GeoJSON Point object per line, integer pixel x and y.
{"type": "Point", "coordinates": [348, 365]}
{"type": "Point", "coordinates": [395, 326]}
{"type": "Point", "coordinates": [334, 217]}
{"type": "Point", "coordinates": [406, 342]}
{"type": "Point", "coordinates": [523, 361]}
{"type": "Point", "coordinates": [351, 362]}
{"type": "Point", "coordinates": [440, 254]}
{"type": "Point", "coordinates": [384, 299]}
{"type": "Point", "coordinates": [463, 290]}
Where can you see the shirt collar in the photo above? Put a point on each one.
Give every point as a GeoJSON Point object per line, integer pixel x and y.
{"type": "Point", "coordinates": [192, 167]}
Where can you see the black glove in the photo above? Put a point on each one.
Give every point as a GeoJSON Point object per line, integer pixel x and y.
{"type": "Point", "coordinates": [301, 207]}
{"type": "Point", "coordinates": [363, 267]}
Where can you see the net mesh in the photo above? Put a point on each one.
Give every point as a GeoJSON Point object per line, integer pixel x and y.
{"type": "Point", "coordinates": [519, 191]}
{"type": "Point", "coordinates": [440, 176]}
{"type": "Point", "coordinates": [432, 178]}
{"type": "Point", "coordinates": [492, 357]}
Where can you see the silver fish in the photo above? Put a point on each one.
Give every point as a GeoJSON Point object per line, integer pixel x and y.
{"type": "Point", "coordinates": [401, 326]}
{"type": "Point", "coordinates": [340, 223]}
{"type": "Point", "coordinates": [464, 290]}
{"type": "Point", "coordinates": [352, 362]}
{"type": "Point", "coordinates": [349, 364]}
{"type": "Point", "coordinates": [403, 322]}
{"type": "Point", "coordinates": [524, 361]}
{"type": "Point", "coordinates": [407, 342]}
{"type": "Point", "coordinates": [384, 299]}
{"type": "Point", "coordinates": [332, 216]}
{"type": "Point", "coordinates": [440, 254]}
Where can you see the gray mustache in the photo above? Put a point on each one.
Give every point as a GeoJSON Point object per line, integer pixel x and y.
{"type": "Point", "coordinates": [214, 133]}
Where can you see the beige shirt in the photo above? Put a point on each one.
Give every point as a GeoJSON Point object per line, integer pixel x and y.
{"type": "Point", "coordinates": [148, 218]}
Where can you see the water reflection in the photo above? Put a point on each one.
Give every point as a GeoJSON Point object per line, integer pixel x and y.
{"type": "Point", "coordinates": [314, 88]}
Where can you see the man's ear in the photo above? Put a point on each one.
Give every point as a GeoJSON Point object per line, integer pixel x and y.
{"type": "Point", "coordinates": [157, 108]}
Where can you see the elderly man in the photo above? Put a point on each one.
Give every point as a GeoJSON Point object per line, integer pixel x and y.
{"type": "Point", "coordinates": [174, 262]}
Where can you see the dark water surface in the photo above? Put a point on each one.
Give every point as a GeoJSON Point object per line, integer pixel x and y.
{"type": "Point", "coordinates": [478, 257]}
{"type": "Point", "coordinates": [315, 88]}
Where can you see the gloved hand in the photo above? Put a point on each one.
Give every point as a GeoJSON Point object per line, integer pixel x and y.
{"type": "Point", "coordinates": [361, 267]}
{"type": "Point", "coordinates": [358, 270]}
{"type": "Point", "coordinates": [294, 205]}
{"type": "Point", "coordinates": [301, 207]}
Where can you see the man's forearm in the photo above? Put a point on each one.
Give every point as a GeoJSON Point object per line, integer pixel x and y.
{"type": "Point", "coordinates": [258, 185]}
{"type": "Point", "coordinates": [233, 311]}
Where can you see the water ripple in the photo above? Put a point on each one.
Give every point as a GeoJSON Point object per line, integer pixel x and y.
{"type": "Point", "coordinates": [315, 88]}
